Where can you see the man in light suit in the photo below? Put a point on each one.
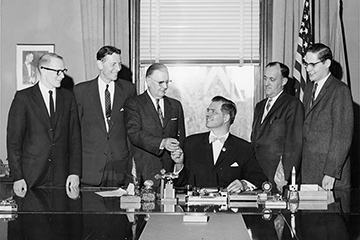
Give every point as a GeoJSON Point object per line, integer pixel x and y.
{"type": "Point", "coordinates": [328, 125]}
{"type": "Point", "coordinates": [155, 125]}
{"type": "Point", "coordinates": [43, 132]}
{"type": "Point", "coordinates": [100, 104]}
{"type": "Point", "coordinates": [277, 127]}
{"type": "Point", "coordinates": [218, 158]}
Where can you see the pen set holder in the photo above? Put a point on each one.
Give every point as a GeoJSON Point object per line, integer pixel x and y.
{"type": "Point", "coordinates": [167, 190]}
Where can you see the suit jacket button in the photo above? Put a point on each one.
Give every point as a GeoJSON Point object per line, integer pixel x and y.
{"type": "Point", "coordinates": [49, 160]}
{"type": "Point", "coordinates": [51, 129]}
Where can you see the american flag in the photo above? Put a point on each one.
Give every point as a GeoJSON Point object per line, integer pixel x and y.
{"type": "Point", "coordinates": [133, 172]}
{"type": "Point", "coordinates": [304, 40]}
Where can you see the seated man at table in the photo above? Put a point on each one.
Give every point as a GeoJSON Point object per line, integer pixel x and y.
{"type": "Point", "coordinates": [218, 158]}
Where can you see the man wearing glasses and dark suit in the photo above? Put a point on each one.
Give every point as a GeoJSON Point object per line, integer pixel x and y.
{"type": "Point", "coordinates": [155, 125]}
{"type": "Point", "coordinates": [328, 125]}
{"type": "Point", "coordinates": [43, 132]}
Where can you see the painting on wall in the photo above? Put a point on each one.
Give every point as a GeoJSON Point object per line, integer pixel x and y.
{"type": "Point", "coordinates": [27, 57]}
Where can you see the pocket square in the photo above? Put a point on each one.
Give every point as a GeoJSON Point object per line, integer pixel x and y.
{"type": "Point", "coordinates": [235, 164]}
{"type": "Point", "coordinates": [122, 109]}
{"type": "Point", "coordinates": [173, 119]}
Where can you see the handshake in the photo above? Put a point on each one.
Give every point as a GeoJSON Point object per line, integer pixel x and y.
{"type": "Point", "coordinates": [177, 155]}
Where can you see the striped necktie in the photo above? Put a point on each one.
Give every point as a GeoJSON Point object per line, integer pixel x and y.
{"type": "Point", "coordinates": [159, 111]}
{"type": "Point", "coordinates": [313, 94]}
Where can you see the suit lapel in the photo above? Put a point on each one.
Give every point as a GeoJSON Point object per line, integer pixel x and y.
{"type": "Point", "coordinates": [225, 151]}
{"type": "Point", "coordinates": [118, 100]}
{"type": "Point", "coordinates": [278, 103]}
{"type": "Point", "coordinates": [149, 107]}
{"type": "Point", "coordinates": [96, 103]}
{"type": "Point", "coordinates": [59, 105]}
{"type": "Point", "coordinates": [167, 111]}
{"type": "Point", "coordinates": [259, 111]}
{"type": "Point", "coordinates": [41, 104]}
{"type": "Point", "coordinates": [321, 94]}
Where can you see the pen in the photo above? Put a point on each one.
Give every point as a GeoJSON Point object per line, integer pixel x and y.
{"type": "Point", "coordinates": [293, 176]}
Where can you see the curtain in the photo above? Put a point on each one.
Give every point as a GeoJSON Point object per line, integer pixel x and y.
{"type": "Point", "coordinates": [286, 18]}
{"type": "Point", "coordinates": [104, 23]}
{"type": "Point", "coordinates": [329, 30]}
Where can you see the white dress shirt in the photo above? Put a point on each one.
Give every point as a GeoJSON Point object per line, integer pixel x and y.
{"type": "Point", "coordinates": [111, 88]}
{"type": "Point", "coordinates": [45, 93]}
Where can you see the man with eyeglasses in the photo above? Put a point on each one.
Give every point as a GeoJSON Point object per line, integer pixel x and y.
{"type": "Point", "coordinates": [100, 101]}
{"type": "Point", "coordinates": [155, 125]}
{"type": "Point", "coordinates": [43, 132]}
{"type": "Point", "coordinates": [328, 125]}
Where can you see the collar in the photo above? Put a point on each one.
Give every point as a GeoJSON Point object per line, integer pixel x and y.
{"type": "Point", "coordinates": [161, 100]}
{"type": "Point", "coordinates": [276, 97]}
{"type": "Point", "coordinates": [321, 83]}
{"type": "Point", "coordinates": [213, 137]}
{"type": "Point", "coordinates": [102, 84]}
{"type": "Point", "coordinates": [44, 89]}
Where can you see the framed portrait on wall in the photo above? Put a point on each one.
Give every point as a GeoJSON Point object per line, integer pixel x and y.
{"type": "Point", "coordinates": [27, 57]}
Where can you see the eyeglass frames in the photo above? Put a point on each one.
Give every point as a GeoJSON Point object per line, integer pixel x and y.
{"type": "Point", "coordinates": [311, 64]}
{"type": "Point", "coordinates": [161, 82]}
{"type": "Point", "coordinates": [58, 71]}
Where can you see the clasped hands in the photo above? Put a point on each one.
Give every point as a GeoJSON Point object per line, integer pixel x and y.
{"type": "Point", "coordinates": [234, 187]}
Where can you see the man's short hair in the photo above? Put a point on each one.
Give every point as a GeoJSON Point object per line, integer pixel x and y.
{"type": "Point", "coordinates": [46, 58]}
{"type": "Point", "coordinates": [107, 50]}
{"type": "Point", "coordinates": [227, 107]}
{"type": "Point", "coordinates": [155, 67]}
{"type": "Point", "coordinates": [323, 51]}
{"type": "Point", "coordinates": [28, 53]}
{"type": "Point", "coordinates": [283, 68]}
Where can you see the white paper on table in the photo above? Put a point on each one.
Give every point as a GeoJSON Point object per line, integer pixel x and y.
{"type": "Point", "coordinates": [113, 193]}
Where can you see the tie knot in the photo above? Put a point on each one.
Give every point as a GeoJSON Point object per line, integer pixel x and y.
{"type": "Point", "coordinates": [107, 86]}
{"type": "Point", "coordinates": [268, 105]}
{"type": "Point", "coordinates": [213, 138]}
{"type": "Point", "coordinates": [50, 92]}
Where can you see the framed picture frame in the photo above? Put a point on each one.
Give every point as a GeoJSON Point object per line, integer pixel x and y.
{"type": "Point", "coordinates": [27, 57]}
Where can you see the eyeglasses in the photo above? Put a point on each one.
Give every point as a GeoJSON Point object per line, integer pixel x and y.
{"type": "Point", "coordinates": [161, 82]}
{"type": "Point", "coordinates": [311, 64]}
{"type": "Point", "coordinates": [58, 71]}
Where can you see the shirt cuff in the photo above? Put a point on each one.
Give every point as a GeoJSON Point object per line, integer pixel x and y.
{"type": "Point", "coordinates": [249, 185]}
{"type": "Point", "coordinates": [162, 144]}
{"type": "Point", "coordinates": [177, 172]}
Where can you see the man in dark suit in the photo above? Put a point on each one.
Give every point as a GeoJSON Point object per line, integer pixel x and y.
{"type": "Point", "coordinates": [155, 125]}
{"type": "Point", "coordinates": [277, 127]}
{"type": "Point", "coordinates": [328, 125]}
{"type": "Point", "coordinates": [28, 69]}
{"type": "Point", "coordinates": [218, 158]}
{"type": "Point", "coordinates": [43, 138]}
{"type": "Point", "coordinates": [100, 104]}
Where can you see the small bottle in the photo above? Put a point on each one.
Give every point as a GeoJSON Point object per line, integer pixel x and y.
{"type": "Point", "coordinates": [148, 193]}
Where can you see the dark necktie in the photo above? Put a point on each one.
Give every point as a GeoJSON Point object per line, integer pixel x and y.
{"type": "Point", "coordinates": [107, 104]}
{"type": "Point", "coordinates": [161, 116]}
{"type": "Point", "coordinates": [313, 94]}
{"type": "Point", "coordinates": [52, 111]}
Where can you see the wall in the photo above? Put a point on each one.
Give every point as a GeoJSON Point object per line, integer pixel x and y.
{"type": "Point", "coordinates": [351, 19]}
{"type": "Point", "coordinates": [37, 22]}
